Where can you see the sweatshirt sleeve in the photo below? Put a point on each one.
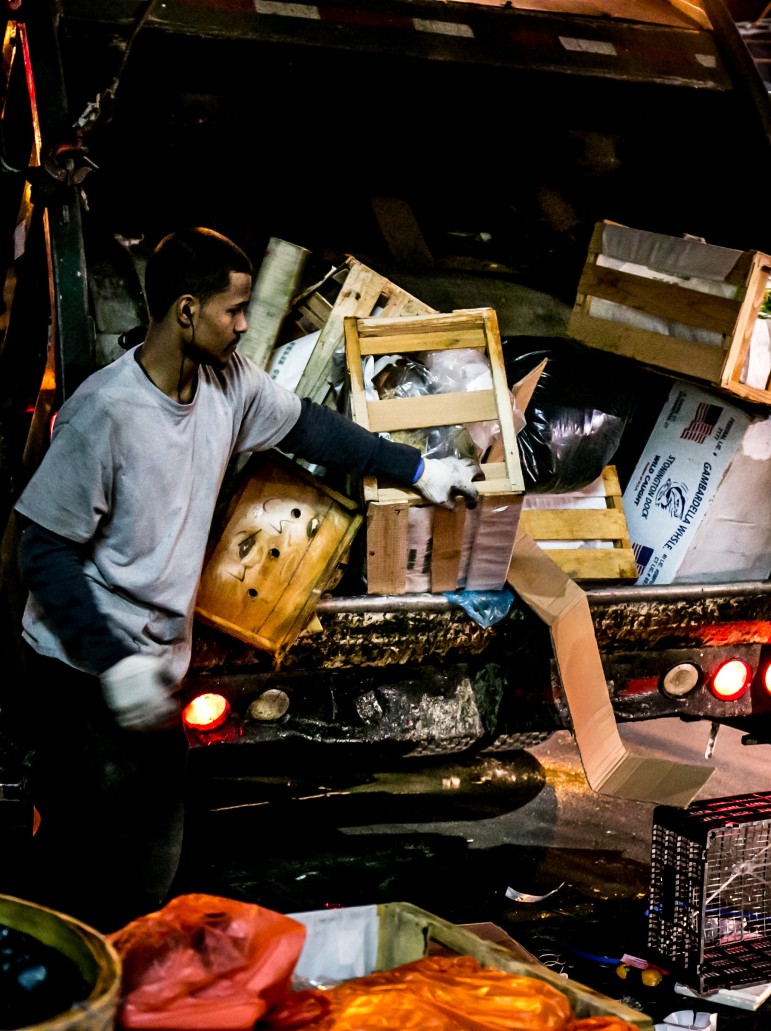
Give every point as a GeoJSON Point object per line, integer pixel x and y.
{"type": "Point", "coordinates": [323, 436]}
{"type": "Point", "coordinates": [52, 569]}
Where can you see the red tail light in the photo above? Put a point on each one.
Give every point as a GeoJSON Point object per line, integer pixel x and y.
{"type": "Point", "coordinates": [767, 678]}
{"type": "Point", "coordinates": [731, 679]}
{"type": "Point", "coordinates": [206, 711]}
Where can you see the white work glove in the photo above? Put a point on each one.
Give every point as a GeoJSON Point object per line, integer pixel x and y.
{"type": "Point", "coordinates": [443, 477]}
{"type": "Point", "coordinates": [137, 691]}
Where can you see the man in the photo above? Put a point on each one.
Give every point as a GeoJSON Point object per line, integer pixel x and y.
{"type": "Point", "coordinates": [116, 521]}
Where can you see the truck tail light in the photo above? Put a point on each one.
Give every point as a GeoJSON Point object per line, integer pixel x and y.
{"type": "Point", "coordinates": [767, 678]}
{"type": "Point", "coordinates": [206, 711]}
{"type": "Point", "coordinates": [731, 679]}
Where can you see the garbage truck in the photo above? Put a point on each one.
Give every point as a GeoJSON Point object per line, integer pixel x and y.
{"type": "Point", "coordinates": [463, 154]}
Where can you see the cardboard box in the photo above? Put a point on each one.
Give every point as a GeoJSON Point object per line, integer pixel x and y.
{"type": "Point", "coordinates": [678, 305]}
{"type": "Point", "coordinates": [358, 940]}
{"type": "Point", "coordinates": [697, 503]}
{"type": "Point", "coordinates": [413, 546]}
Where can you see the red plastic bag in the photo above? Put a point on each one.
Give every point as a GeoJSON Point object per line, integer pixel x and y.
{"type": "Point", "coordinates": [205, 962]}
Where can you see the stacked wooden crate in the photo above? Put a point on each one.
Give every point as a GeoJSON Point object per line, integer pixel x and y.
{"type": "Point", "coordinates": [681, 306]}
{"type": "Point", "coordinates": [464, 548]}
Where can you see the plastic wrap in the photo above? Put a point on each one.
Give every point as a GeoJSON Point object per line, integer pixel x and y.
{"type": "Point", "coordinates": [577, 414]}
{"type": "Point", "coordinates": [435, 372]}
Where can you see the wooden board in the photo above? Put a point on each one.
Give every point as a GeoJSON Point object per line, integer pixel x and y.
{"type": "Point", "coordinates": [553, 527]}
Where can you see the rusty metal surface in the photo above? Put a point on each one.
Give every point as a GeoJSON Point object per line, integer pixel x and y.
{"type": "Point", "coordinates": [355, 639]}
{"type": "Point", "coordinates": [499, 35]}
{"type": "Point", "coordinates": [691, 621]}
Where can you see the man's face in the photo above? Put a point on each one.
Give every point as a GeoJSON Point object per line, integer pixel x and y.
{"type": "Point", "coordinates": [220, 322]}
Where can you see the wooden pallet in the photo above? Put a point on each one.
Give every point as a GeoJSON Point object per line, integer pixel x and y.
{"type": "Point", "coordinates": [667, 282]}
{"type": "Point", "coordinates": [587, 543]}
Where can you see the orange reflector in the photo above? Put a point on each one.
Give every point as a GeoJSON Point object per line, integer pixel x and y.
{"type": "Point", "coordinates": [731, 679]}
{"type": "Point", "coordinates": [206, 712]}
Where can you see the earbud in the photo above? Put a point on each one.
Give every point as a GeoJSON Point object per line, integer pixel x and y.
{"type": "Point", "coordinates": [188, 314]}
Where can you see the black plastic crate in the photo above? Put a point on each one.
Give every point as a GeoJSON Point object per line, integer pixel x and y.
{"type": "Point", "coordinates": [709, 915]}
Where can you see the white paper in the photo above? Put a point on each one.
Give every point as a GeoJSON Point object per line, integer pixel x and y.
{"type": "Point", "coordinates": [340, 944]}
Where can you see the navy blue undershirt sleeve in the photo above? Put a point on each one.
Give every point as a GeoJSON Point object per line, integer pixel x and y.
{"type": "Point", "coordinates": [52, 569]}
{"type": "Point", "coordinates": [323, 436]}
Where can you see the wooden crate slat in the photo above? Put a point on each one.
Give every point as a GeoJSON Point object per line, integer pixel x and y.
{"type": "Point", "coordinates": [405, 343]}
{"type": "Point", "coordinates": [508, 434]}
{"type": "Point", "coordinates": [595, 563]}
{"type": "Point", "coordinates": [686, 357]}
{"type": "Point", "coordinates": [665, 300]}
{"type": "Point", "coordinates": [407, 496]}
{"type": "Point", "coordinates": [448, 537]}
{"type": "Point", "coordinates": [414, 413]}
{"type": "Point", "coordinates": [574, 524]}
{"type": "Point", "coordinates": [447, 323]}
{"type": "Point", "coordinates": [386, 548]}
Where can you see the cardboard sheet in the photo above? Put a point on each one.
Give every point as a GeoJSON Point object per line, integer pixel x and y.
{"type": "Point", "coordinates": [610, 768]}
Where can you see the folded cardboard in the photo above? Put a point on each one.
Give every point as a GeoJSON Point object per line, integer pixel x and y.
{"type": "Point", "coordinates": [697, 502]}
{"type": "Point", "coordinates": [610, 768]}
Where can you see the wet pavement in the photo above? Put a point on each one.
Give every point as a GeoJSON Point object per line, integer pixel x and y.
{"type": "Point", "coordinates": [454, 835]}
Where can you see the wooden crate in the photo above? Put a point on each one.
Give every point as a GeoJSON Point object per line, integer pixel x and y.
{"type": "Point", "coordinates": [585, 532]}
{"type": "Point", "coordinates": [362, 292]}
{"type": "Point", "coordinates": [677, 305]}
{"type": "Point", "coordinates": [470, 548]}
{"type": "Point", "coordinates": [285, 534]}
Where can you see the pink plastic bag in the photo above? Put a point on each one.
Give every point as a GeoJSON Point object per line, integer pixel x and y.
{"type": "Point", "coordinates": [204, 962]}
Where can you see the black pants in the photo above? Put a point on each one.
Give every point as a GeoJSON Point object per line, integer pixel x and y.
{"type": "Point", "coordinates": [111, 802]}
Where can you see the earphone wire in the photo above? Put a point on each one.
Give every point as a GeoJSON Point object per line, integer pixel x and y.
{"type": "Point", "coordinates": [182, 363]}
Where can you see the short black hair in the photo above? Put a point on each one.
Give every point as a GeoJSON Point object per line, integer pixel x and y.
{"type": "Point", "coordinates": [195, 261]}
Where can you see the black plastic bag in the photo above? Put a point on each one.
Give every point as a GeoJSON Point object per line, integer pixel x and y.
{"type": "Point", "coordinates": [578, 412]}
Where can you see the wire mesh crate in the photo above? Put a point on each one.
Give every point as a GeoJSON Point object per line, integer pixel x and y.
{"type": "Point", "coordinates": [709, 916]}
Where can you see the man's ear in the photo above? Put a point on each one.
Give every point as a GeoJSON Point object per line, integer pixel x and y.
{"type": "Point", "coordinates": [185, 312]}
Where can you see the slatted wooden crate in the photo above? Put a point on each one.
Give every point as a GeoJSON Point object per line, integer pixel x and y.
{"type": "Point", "coordinates": [585, 532]}
{"type": "Point", "coordinates": [362, 293]}
{"type": "Point", "coordinates": [677, 305]}
{"type": "Point", "coordinates": [285, 533]}
{"type": "Point", "coordinates": [469, 548]}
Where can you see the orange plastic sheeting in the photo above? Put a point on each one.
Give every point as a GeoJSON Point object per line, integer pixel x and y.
{"type": "Point", "coordinates": [205, 962]}
{"type": "Point", "coordinates": [438, 993]}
